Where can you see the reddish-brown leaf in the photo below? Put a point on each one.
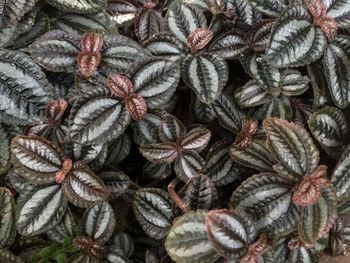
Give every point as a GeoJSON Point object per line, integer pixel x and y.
{"type": "Point", "coordinates": [199, 38]}
{"type": "Point", "coordinates": [244, 138]}
{"type": "Point", "coordinates": [55, 109]}
{"type": "Point", "coordinates": [88, 63]}
{"type": "Point", "coordinates": [120, 85]}
{"type": "Point", "coordinates": [91, 42]}
{"type": "Point", "coordinates": [64, 171]}
{"type": "Point", "coordinates": [255, 250]}
{"type": "Point", "coordinates": [136, 105]}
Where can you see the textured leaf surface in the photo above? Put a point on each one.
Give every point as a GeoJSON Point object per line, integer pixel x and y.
{"type": "Point", "coordinates": [271, 8]}
{"type": "Point", "coordinates": [196, 139]}
{"type": "Point", "coordinates": [267, 198]}
{"type": "Point", "coordinates": [153, 210]}
{"type": "Point", "coordinates": [43, 209]}
{"type": "Point", "coordinates": [79, 6]}
{"type": "Point", "coordinates": [13, 10]}
{"type": "Point", "coordinates": [206, 75]}
{"type": "Point", "coordinates": [187, 240]}
{"type": "Point", "coordinates": [146, 130]}
{"type": "Point", "coordinates": [188, 164]}
{"type": "Point", "coordinates": [341, 175]}
{"type": "Point", "coordinates": [147, 23]}
{"type": "Point", "coordinates": [171, 128]}
{"type": "Point", "coordinates": [7, 218]}
{"type": "Point", "coordinates": [121, 11]}
{"type": "Point", "coordinates": [252, 94]}
{"type": "Point", "coordinates": [116, 181]}
{"type": "Point", "coordinates": [5, 140]}
{"type": "Point", "coordinates": [66, 227]}
{"type": "Point", "coordinates": [159, 153]}
{"type": "Point", "coordinates": [340, 11]}
{"type": "Point", "coordinates": [24, 89]}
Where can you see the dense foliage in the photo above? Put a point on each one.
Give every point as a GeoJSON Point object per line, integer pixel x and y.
{"type": "Point", "coordinates": [190, 131]}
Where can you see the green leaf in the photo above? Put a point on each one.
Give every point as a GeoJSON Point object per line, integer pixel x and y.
{"type": "Point", "coordinates": [61, 258]}
{"type": "Point", "coordinates": [155, 171]}
{"type": "Point", "coordinates": [49, 251]}
{"type": "Point", "coordinates": [267, 198]}
{"type": "Point", "coordinates": [153, 211]}
{"type": "Point", "coordinates": [292, 146]}
{"type": "Point", "coordinates": [78, 6]}
{"type": "Point", "coordinates": [182, 19]}
{"type": "Point", "coordinates": [7, 218]}
{"type": "Point", "coordinates": [303, 254]}
{"type": "Point", "coordinates": [328, 126]}
{"type": "Point", "coordinates": [187, 240]}
{"type": "Point", "coordinates": [341, 175]}
{"type": "Point", "coordinates": [43, 210]}
{"type": "Point", "coordinates": [255, 156]}
{"type": "Point", "coordinates": [229, 233]}
{"type": "Point", "coordinates": [337, 70]}
{"type": "Point", "coordinates": [24, 89]}
{"type": "Point", "coordinates": [279, 107]}
{"type": "Point", "coordinates": [293, 83]}
{"type": "Point", "coordinates": [295, 41]}
{"type": "Point", "coordinates": [188, 164]}
{"type": "Point", "coordinates": [99, 222]}
{"type": "Point", "coordinates": [206, 75]}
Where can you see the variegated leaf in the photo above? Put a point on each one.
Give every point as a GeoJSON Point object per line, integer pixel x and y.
{"type": "Point", "coordinates": [24, 89]}
{"type": "Point", "coordinates": [13, 10]}
{"type": "Point", "coordinates": [42, 210]}
{"type": "Point", "coordinates": [155, 171]}
{"type": "Point", "coordinates": [252, 94]}
{"type": "Point", "coordinates": [5, 140]}
{"type": "Point", "coordinates": [219, 167]}
{"type": "Point", "coordinates": [37, 159]}
{"type": "Point", "coordinates": [121, 11]}
{"type": "Point", "coordinates": [65, 228]}
{"type": "Point", "coordinates": [7, 218]}
{"type": "Point", "coordinates": [319, 84]}
{"type": "Point", "coordinates": [341, 175]}
{"type": "Point", "coordinates": [229, 232]}
{"type": "Point", "coordinates": [170, 128]}
{"type": "Point", "coordinates": [147, 23]}
{"type": "Point", "coordinates": [99, 222]}
{"type": "Point", "coordinates": [317, 219]}
{"type": "Point", "coordinates": [243, 9]}
{"type": "Point", "coordinates": [255, 156]}
{"type": "Point", "coordinates": [295, 41]}
{"type": "Point", "coordinates": [56, 51]}
{"type": "Point", "coordinates": [165, 45]}
{"type": "Point", "coordinates": [78, 6]}
{"type": "Point", "coordinates": [153, 210]}
{"type": "Point", "coordinates": [337, 69]}
{"type": "Point", "coordinates": [203, 112]}
{"type": "Point", "coordinates": [124, 242]}
{"type": "Point", "coordinates": [154, 79]}
{"type": "Point", "coordinates": [116, 181]}
{"type": "Point", "coordinates": [119, 52]}
{"type": "Point", "coordinates": [206, 75]}
{"type": "Point", "coordinates": [114, 255]}
{"type": "Point", "coordinates": [83, 188]}
{"type": "Point", "coordinates": [279, 107]}
{"type": "Point", "coordinates": [188, 164]}
{"type": "Point", "coordinates": [159, 152]}
{"type": "Point", "coordinates": [146, 130]}
{"type": "Point", "coordinates": [229, 115]}
{"type": "Point", "coordinates": [340, 11]}
{"type": "Point", "coordinates": [292, 146]}
{"type": "Point", "coordinates": [118, 150]}
{"type": "Point", "coordinates": [303, 254]}
{"type": "Point", "coordinates": [182, 19]}
{"type": "Point", "coordinates": [196, 139]}
{"type": "Point", "coordinates": [268, 7]}
{"type": "Point", "coordinates": [97, 117]}
{"type": "Point", "coordinates": [187, 240]}
{"type": "Point", "coordinates": [328, 126]}
{"type": "Point", "coordinates": [200, 193]}
{"type": "Point", "coordinates": [267, 198]}
{"type": "Point", "coordinates": [293, 83]}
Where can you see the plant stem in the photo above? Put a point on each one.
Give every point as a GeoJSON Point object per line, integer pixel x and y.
{"type": "Point", "coordinates": [175, 197]}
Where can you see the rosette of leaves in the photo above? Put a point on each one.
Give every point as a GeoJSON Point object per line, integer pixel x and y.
{"type": "Point", "coordinates": [298, 196]}
{"type": "Point", "coordinates": [59, 180]}
{"type": "Point", "coordinates": [179, 146]}
{"type": "Point", "coordinates": [185, 40]}
{"type": "Point", "coordinates": [103, 114]}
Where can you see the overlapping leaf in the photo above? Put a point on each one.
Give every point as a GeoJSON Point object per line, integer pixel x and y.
{"type": "Point", "coordinates": [340, 177]}
{"type": "Point", "coordinates": [12, 11]}
{"type": "Point", "coordinates": [65, 228]}
{"type": "Point", "coordinates": [116, 181]}
{"type": "Point", "coordinates": [78, 6]}
{"type": "Point", "coordinates": [188, 164]}
{"type": "Point", "coordinates": [147, 23]}
{"type": "Point", "coordinates": [7, 218]}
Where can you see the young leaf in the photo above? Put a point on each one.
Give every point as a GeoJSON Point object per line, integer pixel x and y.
{"type": "Point", "coordinates": [153, 210]}
{"type": "Point", "coordinates": [187, 240]}
{"type": "Point", "coordinates": [7, 218]}
{"type": "Point", "coordinates": [43, 210]}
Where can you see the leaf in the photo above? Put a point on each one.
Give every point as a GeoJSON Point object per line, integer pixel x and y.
{"type": "Point", "coordinates": [337, 70]}
{"type": "Point", "coordinates": [7, 218]}
{"type": "Point", "coordinates": [114, 255]}
{"type": "Point", "coordinates": [118, 150]}
{"type": "Point", "coordinates": [293, 83]}
{"type": "Point", "coordinates": [78, 6]}
{"type": "Point", "coordinates": [99, 222]}
{"type": "Point", "coordinates": [121, 11]}
{"type": "Point", "coordinates": [219, 167]}
{"type": "Point", "coordinates": [5, 140]}
{"type": "Point", "coordinates": [188, 164]}
{"type": "Point", "coordinates": [255, 156]}
{"type": "Point", "coordinates": [252, 94]}
{"type": "Point", "coordinates": [97, 117]}
{"type": "Point", "coordinates": [292, 31]}
{"type": "Point", "coordinates": [170, 128]}
{"type": "Point", "coordinates": [292, 146]}
{"type": "Point", "coordinates": [186, 236]}
{"type": "Point", "coordinates": [279, 107]}
{"type": "Point", "coordinates": [317, 219]}
{"type": "Point", "coordinates": [43, 210]}
{"type": "Point", "coordinates": [24, 90]}
{"type": "Point", "coordinates": [119, 52]}
{"type": "Point", "coordinates": [9, 257]}
{"type": "Point", "coordinates": [116, 181]}
{"type": "Point", "coordinates": [56, 51]}
{"type": "Point", "coordinates": [165, 45]}
{"type": "Point", "coordinates": [340, 11]}
{"type": "Point", "coordinates": [200, 193]}
{"type": "Point", "coordinates": [146, 130]}
{"type": "Point", "coordinates": [230, 117]}
{"type": "Point", "coordinates": [155, 80]}
{"type": "Point", "coordinates": [182, 19]}
{"type": "Point", "coordinates": [37, 159]}
{"type": "Point", "coordinates": [206, 75]}
{"type": "Point", "coordinates": [229, 233]}
{"type": "Point", "coordinates": [66, 227]}
{"type": "Point", "coordinates": [153, 211]}
{"type": "Point", "coordinates": [159, 153]}
{"type": "Point", "coordinates": [243, 9]}
{"type": "Point", "coordinates": [303, 254]}
{"type": "Point", "coordinates": [155, 171]}
{"type": "Point", "coordinates": [196, 139]}
{"type": "Point", "coordinates": [202, 112]}
{"type": "Point", "coordinates": [340, 178]}
{"type": "Point", "coordinates": [328, 126]}
{"type": "Point", "coordinates": [147, 23]}
{"type": "Point", "coordinates": [12, 11]}
{"type": "Point", "coordinates": [267, 198]}
{"type": "Point", "coordinates": [270, 8]}
{"type": "Point", "coordinates": [82, 188]}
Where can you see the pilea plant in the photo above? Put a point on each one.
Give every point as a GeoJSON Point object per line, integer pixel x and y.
{"type": "Point", "coordinates": [190, 131]}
